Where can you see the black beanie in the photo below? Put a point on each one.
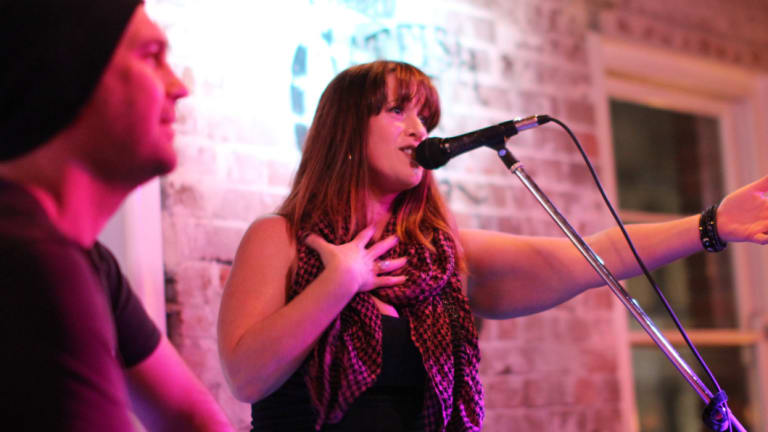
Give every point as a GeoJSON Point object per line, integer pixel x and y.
{"type": "Point", "coordinates": [52, 56]}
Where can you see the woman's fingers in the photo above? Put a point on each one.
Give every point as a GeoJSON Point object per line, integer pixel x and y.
{"type": "Point", "coordinates": [762, 184]}
{"type": "Point", "coordinates": [385, 281]}
{"type": "Point", "coordinates": [316, 242]}
{"type": "Point", "coordinates": [355, 261]}
{"type": "Point", "coordinates": [379, 248]}
{"type": "Point", "coordinates": [364, 236]}
{"type": "Point", "coordinates": [390, 265]}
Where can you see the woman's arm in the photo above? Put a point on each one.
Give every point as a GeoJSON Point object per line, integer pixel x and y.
{"type": "Point", "coordinates": [513, 275]}
{"type": "Point", "coordinates": [263, 340]}
{"type": "Point", "coordinates": [517, 275]}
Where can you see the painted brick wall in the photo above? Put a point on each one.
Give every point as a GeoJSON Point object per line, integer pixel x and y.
{"type": "Point", "coordinates": [255, 75]}
{"type": "Point", "coordinates": [732, 32]}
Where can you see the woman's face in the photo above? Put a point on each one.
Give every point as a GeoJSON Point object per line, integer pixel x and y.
{"type": "Point", "coordinates": [393, 134]}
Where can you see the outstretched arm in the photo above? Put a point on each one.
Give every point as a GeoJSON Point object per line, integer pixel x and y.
{"type": "Point", "coordinates": [167, 396]}
{"type": "Point", "coordinates": [513, 275]}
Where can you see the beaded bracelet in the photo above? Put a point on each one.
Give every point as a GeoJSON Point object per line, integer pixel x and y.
{"type": "Point", "coordinates": [708, 230]}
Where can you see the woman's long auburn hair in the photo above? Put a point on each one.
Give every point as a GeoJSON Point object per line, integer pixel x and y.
{"type": "Point", "coordinates": [333, 176]}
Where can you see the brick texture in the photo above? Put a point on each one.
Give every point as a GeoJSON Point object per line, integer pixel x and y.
{"type": "Point", "coordinates": [255, 74]}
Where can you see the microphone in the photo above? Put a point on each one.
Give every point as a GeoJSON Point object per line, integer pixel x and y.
{"type": "Point", "coordinates": [435, 152]}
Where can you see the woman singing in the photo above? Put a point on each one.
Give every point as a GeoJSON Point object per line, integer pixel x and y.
{"type": "Point", "coordinates": [350, 310]}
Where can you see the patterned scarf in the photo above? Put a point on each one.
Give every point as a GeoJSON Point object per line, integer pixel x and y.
{"type": "Point", "coordinates": [347, 358]}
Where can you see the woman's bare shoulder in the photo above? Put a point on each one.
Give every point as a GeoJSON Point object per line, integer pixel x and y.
{"type": "Point", "coordinates": [268, 237]}
{"type": "Point", "coordinates": [270, 227]}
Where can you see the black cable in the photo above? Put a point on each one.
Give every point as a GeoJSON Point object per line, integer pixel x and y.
{"type": "Point", "coordinates": [646, 272]}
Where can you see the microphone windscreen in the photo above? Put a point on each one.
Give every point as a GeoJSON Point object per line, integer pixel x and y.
{"type": "Point", "coordinates": [430, 153]}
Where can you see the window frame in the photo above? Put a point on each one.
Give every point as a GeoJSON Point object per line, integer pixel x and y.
{"type": "Point", "coordinates": [738, 99]}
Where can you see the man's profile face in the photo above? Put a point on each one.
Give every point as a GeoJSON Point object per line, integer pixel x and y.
{"type": "Point", "coordinates": [129, 119]}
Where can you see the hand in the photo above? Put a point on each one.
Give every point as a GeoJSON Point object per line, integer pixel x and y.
{"type": "Point", "coordinates": [743, 214]}
{"type": "Point", "coordinates": [357, 266]}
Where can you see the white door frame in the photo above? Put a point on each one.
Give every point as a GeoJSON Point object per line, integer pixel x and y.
{"type": "Point", "coordinates": [134, 235]}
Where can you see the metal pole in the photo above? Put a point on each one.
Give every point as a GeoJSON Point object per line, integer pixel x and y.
{"type": "Point", "coordinates": [597, 263]}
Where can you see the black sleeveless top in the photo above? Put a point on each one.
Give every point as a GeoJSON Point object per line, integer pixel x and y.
{"type": "Point", "coordinates": [394, 403]}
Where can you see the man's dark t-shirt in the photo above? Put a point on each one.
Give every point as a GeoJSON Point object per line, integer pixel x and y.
{"type": "Point", "coordinates": [60, 357]}
{"type": "Point", "coordinates": [137, 335]}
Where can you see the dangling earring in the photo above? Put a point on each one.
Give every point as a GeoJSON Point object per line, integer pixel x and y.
{"type": "Point", "coordinates": [349, 156]}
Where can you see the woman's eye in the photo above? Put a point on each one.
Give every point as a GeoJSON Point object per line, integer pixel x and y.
{"type": "Point", "coordinates": [396, 110]}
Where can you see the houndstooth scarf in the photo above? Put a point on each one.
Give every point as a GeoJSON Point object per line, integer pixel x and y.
{"type": "Point", "coordinates": [347, 358]}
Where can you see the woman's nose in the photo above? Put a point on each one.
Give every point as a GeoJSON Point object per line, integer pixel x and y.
{"type": "Point", "coordinates": [416, 127]}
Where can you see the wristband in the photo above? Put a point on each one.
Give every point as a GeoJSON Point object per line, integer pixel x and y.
{"type": "Point", "coordinates": [710, 239]}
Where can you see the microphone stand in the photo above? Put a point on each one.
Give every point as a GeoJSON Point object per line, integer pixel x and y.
{"type": "Point", "coordinates": [516, 167]}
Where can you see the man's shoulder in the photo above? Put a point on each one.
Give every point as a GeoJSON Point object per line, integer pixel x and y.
{"type": "Point", "coordinates": [55, 316]}
{"type": "Point", "coordinates": [48, 254]}
{"type": "Point", "coordinates": [23, 221]}
{"type": "Point", "coordinates": [46, 274]}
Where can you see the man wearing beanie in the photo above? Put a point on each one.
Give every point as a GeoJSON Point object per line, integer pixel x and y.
{"type": "Point", "coordinates": [87, 103]}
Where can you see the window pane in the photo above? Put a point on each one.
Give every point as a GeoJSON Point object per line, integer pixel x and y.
{"type": "Point", "coordinates": [668, 404]}
{"type": "Point", "coordinates": [666, 161]}
{"type": "Point", "coordinates": [669, 162]}
{"type": "Point", "coordinates": [699, 289]}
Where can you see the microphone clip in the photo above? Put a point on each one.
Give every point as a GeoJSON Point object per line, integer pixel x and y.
{"type": "Point", "coordinates": [715, 414]}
